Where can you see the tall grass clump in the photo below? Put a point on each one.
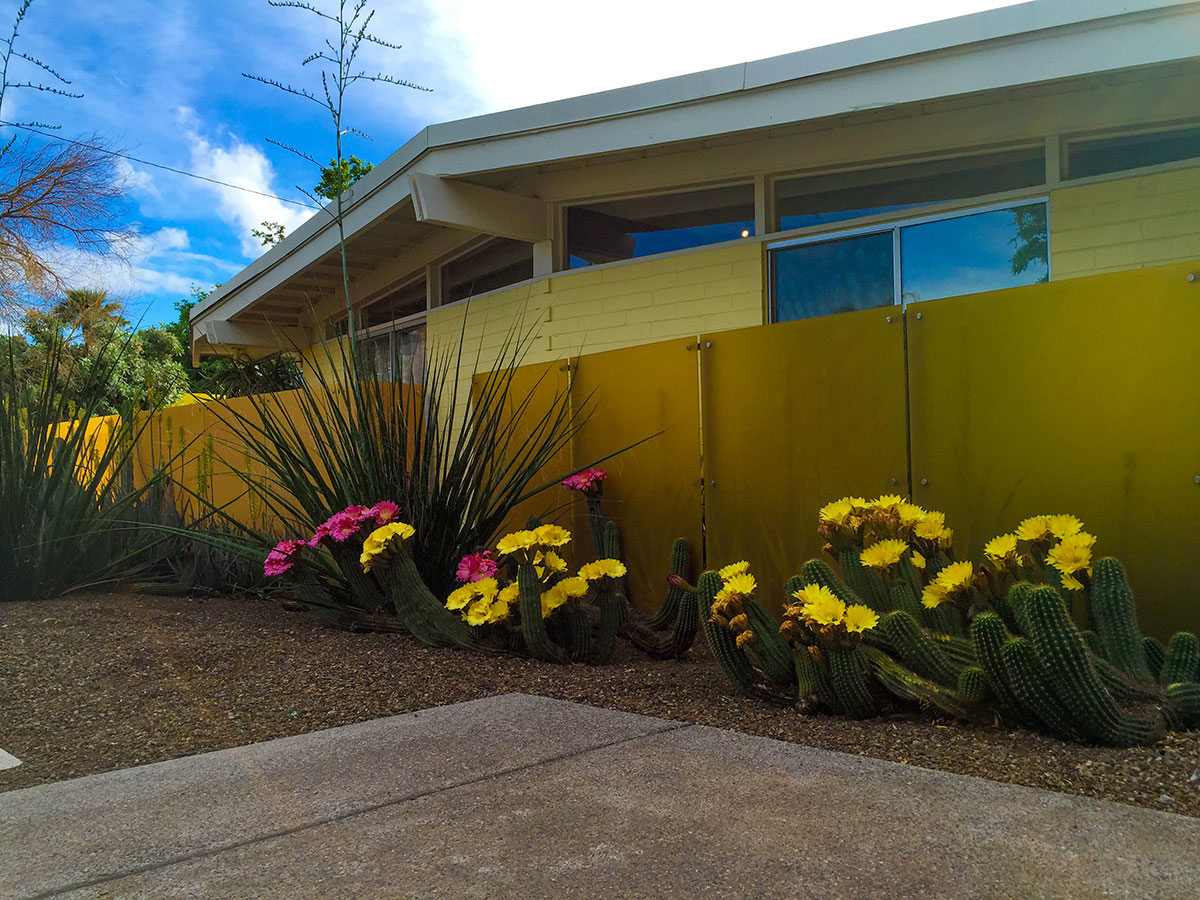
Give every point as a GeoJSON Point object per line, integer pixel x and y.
{"type": "Point", "coordinates": [66, 486]}
{"type": "Point", "coordinates": [455, 454]}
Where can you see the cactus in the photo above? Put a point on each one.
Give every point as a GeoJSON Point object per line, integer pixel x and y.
{"type": "Point", "coordinates": [959, 650]}
{"type": "Point", "coordinates": [848, 675]}
{"type": "Point", "coordinates": [917, 649]}
{"type": "Point", "coordinates": [901, 596]}
{"type": "Point", "coordinates": [1094, 644]}
{"type": "Point", "coordinates": [422, 613]}
{"type": "Point", "coordinates": [681, 566]}
{"type": "Point", "coordinates": [989, 637]}
{"type": "Point", "coordinates": [611, 543]}
{"type": "Point", "coordinates": [580, 624]}
{"type": "Point", "coordinates": [1181, 662]}
{"type": "Point", "coordinates": [679, 612]}
{"type": "Point", "coordinates": [733, 661]}
{"type": "Point", "coordinates": [533, 627]}
{"type": "Point", "coordinates": [604, 643]}
{"type": "Point", "coordinates": [1110, 608]}
{"type": "Point", "coordinates": [1156, 655]}
{"type": "Point", "coordinates": [817, 571]}
{"type": "Point", "coordinates": [863, 581]}
{"type": "Point", "coordinates": [1185, 699]}
{"type": "Point", "coordinates": [1062, 650]}
{"type": "Point", "coordinates": [813, 681]}
{"type": "Point", "coordinates": [1026, 678]}
{"type": "Point", "coordinates": [973, 685]}
{"type": "Point", "coordinates": [1018, 595]}
{"type": "Point", "coordinates": [773, 651]}
{"type": "Point", "coordinates": [908, 685]}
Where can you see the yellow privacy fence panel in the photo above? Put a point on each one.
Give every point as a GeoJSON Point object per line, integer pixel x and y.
{"type": "Point", "coordinates": [1080, 396]}
{"type": "Point", "coordinates": [531, 395]}
{"type": "Point", "coordinates": [796, 415]}
{"type": "Point", "coordinates": [652, 490]}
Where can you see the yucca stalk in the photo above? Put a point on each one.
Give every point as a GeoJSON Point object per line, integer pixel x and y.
{"type": "Point", "coordinates": [456, 459]}
{"type": "Point", "coordinates": [67, 496]}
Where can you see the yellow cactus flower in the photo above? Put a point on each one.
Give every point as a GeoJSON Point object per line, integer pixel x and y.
{"type": "Point", "coordinates": [497, 612]}
{"type": "Point", "coordinates": [999, 547]}
{"type": "Point", "coordinates": [1071, 555]}
{"type": "Point", "coordinates": [918, 560]}
{"type": "Point", "coordinates": [516, 542]}
{"type": "Point", "coordinates": [573, 586]}
{"type": "Point", "coordinates": [835, 513]}
{"type": "Point", "coordinates": [552, 535]}
{"type": "Point", "coordinates": [859, 503]}
{"type": "Point", "coordinates": [823, 608]}
{"type": "Point", "coordinates": [477, 612]}
{"type": "Point", "coordinates": [552, 600]}
{"type": "Point", "coordinates": [1071, 583]}
{"type": "Point", "coordinates": [1036, 528]}
{"type": "Point", "coordinates": [883, 554]}
{"type": "Point", "coordinates": [383, 541]}
{"type": "Point", "coordinates": [739, 622]}
{"type": "Point", "coordinates": [746, 637]}
{"type": "Point", "coordinates": [887, 502]}
{"type": "Point", "coordinates": [487, 588]}
{"type": "Point", "coordinates": [510, 594]}
{"type": "Point", "coordinates": [811, 592]}
{"type": "Point", "coordinates": [945, 539]}
{"type": "Point", "coordinates": [957, 576]}
{"type": "Point", "coordinates": [931, 527]}
{"type": "Point", "coordinates": [602, 568]}
{"type": "Point", "coordinates": [934, 596]}
{"type": "Point", "coordinates": [737, 568]}
{"type": "Point", "coordinates": [910, 514]}
{"type": "Point", "coordinates": [859, 618]}
{"type": "Point", "coordinates": [461, 597]}
{"type": "Point", "coordinates": [715, 618]}
{"type": "Point", "coordinates": [1063, 526]}
{"type": "Point", "coordinates": [554, 562]}
{"type": "Point", "coordinates": [741, 585]}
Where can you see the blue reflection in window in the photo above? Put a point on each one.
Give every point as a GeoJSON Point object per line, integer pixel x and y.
{"type": "Point", "coordinates": [969, 254]}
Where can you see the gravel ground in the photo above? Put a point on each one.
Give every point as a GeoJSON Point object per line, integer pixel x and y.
{"type": "Point", "coordinates": [105, 681]}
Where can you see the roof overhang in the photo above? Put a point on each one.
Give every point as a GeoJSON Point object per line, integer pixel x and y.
{"type": "Point", "coordinates": [424, 188]}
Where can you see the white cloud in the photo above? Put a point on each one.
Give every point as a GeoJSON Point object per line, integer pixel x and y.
{"type": "Point", "coordinates": [135, 180]}
{"type": "Point", "coordinates": [159, 262]}
{"type": "Point", "coordinates": [245, 166]}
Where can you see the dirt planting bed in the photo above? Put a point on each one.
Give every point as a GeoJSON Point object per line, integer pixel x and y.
{"type": "Point", "coordinates": [105, 681]}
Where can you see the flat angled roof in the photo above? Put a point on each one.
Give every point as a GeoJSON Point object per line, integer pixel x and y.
{"type": "Point", "coordinates": [1040, 21]}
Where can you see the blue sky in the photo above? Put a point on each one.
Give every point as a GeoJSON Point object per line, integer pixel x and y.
{"type": "Point", "coordinates": [162, 81]}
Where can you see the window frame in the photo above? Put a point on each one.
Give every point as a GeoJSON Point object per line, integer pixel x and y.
{"type": "Point", "coordinates": [894, 227]}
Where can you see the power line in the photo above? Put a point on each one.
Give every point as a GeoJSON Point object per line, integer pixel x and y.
{"type": "Point", "coordinates": [146, 162]}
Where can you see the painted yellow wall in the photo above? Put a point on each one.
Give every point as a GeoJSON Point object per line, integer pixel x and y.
{"type": "Point", "coordinates": [1127, 223]}
{"type": "Point", "coordinates": [593, 310]}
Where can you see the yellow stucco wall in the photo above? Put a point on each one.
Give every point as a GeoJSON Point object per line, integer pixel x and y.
{"type": "Point", "coordinates": [1126, 223]}
{"type": "Point", "coordinates": [592, 310]}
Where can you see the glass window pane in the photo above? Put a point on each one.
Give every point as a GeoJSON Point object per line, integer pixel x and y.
{"type": "Point", "coordinates": [643, 226]}
{"type": "Point", "coordinates": [494, 265]}
{"type": "Point", "coordinates": [968, 254]}
{"type": "Point", "coordinates": [819, 199]}
{"type": "Point", "coordinates": [833, 276]}
{"type": "Point", "coordinates": [1115, 154]}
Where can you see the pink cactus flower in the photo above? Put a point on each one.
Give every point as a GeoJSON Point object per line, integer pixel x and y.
{"type": "Point", "coordinates": [385, 511]}
{"type": "Point", "coordinates": [585, 481]}
{"type": "Point", "coordinates": [476, 567]}
{"type": "Point", "coordinates": [319, 535]}
{"type": "Point", "coordinates": [279, 560]}
{"type": "Point", "coordinates": [344, 525]}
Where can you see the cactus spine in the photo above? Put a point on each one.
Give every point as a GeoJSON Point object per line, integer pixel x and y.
{"type": "Point", "coordinates": [681, 566]}
{"type": "Point", "coordinates": [604, 644]}
{"type": "Point", "coordinates": [989, 636]}
{"type": "Point", "coordinates": [1028, 682]}
{"type": "Point", "coordinates": [848, 675]}
{"type": "Point", "coordinates": [773, 651]}
{"type": "Point", "coordinates": [863, 581]}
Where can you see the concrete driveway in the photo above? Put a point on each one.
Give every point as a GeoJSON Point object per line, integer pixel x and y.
{"type": "Point", "coordinates": [522, 796]}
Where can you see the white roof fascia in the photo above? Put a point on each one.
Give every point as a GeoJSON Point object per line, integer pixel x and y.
{"type": "Point", "coordinates": [1027, 43]}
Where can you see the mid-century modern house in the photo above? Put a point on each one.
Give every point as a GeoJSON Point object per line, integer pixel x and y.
{"type": "Point", "coordinates": [995, 219]}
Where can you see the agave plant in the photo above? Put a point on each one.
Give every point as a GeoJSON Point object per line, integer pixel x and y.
{"type": "Point", "coordinates": [456, 457]}
{"type": "Point", "coordinates": [67, 495]}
